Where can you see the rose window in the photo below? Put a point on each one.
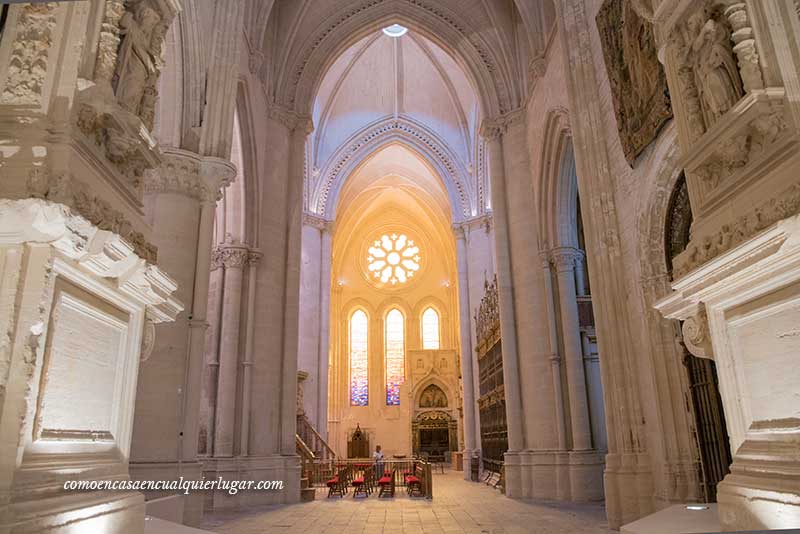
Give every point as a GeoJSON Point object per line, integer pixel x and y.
{"type": "Point", "coordinates": [393, 259]}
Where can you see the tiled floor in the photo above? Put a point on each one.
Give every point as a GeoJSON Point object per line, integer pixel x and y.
{"type": "Point", "coordinates": [457, 506]}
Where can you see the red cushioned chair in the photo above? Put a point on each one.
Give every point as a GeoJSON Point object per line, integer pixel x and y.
{"type": "Point", "coordinates": [338, 484]}
{"type": "Point", "coordinates": [363, 484]}
{"type": "Point", "coordinates": [414, 482]}
{"type": "Point", "coordinates": [386, 485]}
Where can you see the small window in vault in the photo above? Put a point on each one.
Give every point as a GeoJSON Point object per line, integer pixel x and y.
{"type": "Point", "coordinates": [395, 30]}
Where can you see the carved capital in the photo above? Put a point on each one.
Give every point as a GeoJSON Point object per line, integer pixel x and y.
{"type": "Point", "coordinates": [254, 257]}
{"type": "Point", "coordinates": [566, 258]}
{"type": "Point", "coordinates": [291, 119]}
{"type": "Point", "coordinates": [458, 231]}
{"type": "Point", "coordinates": [230, 256]}
{"type": "Point", "coordinates": [494, 127]}
{"type": "Point", "coordinates": [189, 174]}
{"type": "Point", "coordinates": [696, 335]}
{"type": "Point", "coordinates": [320, 223]}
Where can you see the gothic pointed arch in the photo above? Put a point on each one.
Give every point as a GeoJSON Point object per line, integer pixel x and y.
{"type": "Point", "coordinates": [361, 146]}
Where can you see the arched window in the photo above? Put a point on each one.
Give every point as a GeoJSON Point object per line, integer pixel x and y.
{"type": "Point", "coordinates": [359, 377]}
{"type": "Point", "coordinates": [430, 329]}
{"type": "Point", "coordinates": [395, 356]}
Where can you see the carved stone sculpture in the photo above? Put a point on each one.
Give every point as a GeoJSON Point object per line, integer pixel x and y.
{"type": "Point", "coordinates": [715, 69]}
{"type": "Point", "coordinates": [136, 61]}
{"type": "Point", "coordinates": [638, 82]}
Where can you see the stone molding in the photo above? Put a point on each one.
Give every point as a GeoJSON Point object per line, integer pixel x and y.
{"type": "Point", "coordinates": [101, 252]}
{"type": "Point", "coordinates": [495, 127]}
{"type": "Point", "coordinates": [65, 189]}
{"type": "Point", "coordinates": [291, 119]}
{"type": "Point", "coordinates": [186, 173]}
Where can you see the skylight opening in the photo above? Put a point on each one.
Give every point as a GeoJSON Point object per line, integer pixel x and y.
{"type": "Point", "coordinates": [395, 30]}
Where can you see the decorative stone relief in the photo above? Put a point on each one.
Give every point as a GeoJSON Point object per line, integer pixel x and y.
{"type": "Point", "coordinates": [148, 341]}
{"type": "Point", "coordinates": [27, 67]}
{"type": "Point", "coordinates": [638, 82]}
{"type": "Point", "coordinates": [301, 378]}
{"type": "Point", "coordinates": [65, 189]}
{"type": "Point", "coordinates": [738, 150]}
{"type": "Point", "coordinates": [784, 205]}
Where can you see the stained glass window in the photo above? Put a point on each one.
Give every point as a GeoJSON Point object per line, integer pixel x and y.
{"type": "Point", "coordinates": [395, 356]}
{"type": "Point", "coordinates": [430, 329]}
{"type": "Point", "coordinates": [359, 377]}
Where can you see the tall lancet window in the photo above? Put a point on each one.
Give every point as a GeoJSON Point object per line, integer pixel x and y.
{"type": "Point", "coordinates": [430, 329]}
{"type": "Point", "coordinates": [359, 367]}
{"type": "Point", "coordinates": [395, 356]}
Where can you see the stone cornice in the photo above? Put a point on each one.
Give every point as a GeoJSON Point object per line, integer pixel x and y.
{"type": "Point", "coordinates": [291, 119]}
{"type": "Point", "coordinates": [100, 252]}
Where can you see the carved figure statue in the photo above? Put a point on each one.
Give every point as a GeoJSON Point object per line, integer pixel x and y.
{"type": "Point", "coordinates": [716, 72]}
{"type": "Point", "coordinates": [136, 61]}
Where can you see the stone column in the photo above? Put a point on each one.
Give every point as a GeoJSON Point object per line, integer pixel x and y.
{"type": "Point", "coordinates": [464, 307]}
{"type": "Point", "coordinates": [253, 258]}
{"type": "Point", "coordinates": [514, 414]}
{"type": "Point", "coordinates": [324, 330]}
{"type": "Point", "coordinates": [580, 279]}
{"type": "Point", "coordinates": [179, 200]}
{"type": "Point", "coordinates": [233, 257]}
{"type": "Point", "coordinates": [555, 358]}
{"type": "Point", "coordinates": [573, 350]}
{"type": "Point", "coordinates": [294, 220]}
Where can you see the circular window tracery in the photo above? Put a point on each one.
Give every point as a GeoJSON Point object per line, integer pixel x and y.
{"type": "Point", "coordinates": [393, 259]}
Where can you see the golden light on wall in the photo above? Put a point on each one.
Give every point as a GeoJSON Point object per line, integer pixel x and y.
{"type": "Point", "coordinates": [393, 259]}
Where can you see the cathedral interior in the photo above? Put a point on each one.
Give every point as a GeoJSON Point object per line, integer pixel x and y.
{"type": "Point", "coordinates": [545, 254]}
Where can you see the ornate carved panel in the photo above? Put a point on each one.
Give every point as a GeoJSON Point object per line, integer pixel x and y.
{"type": "Point", "coordinates": [638, 82]}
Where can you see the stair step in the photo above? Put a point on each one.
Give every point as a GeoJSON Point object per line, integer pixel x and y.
{"type": "Point", "coordinates": [308, 494]}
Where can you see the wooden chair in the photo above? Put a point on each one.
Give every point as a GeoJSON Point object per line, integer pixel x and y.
{"type": "Point", "coordinates": [363, 484]}
{"type": "Point", "coordinates": [386, 484]}
{"type": "Point", "coordinates": [338, 484]}
{"type": "Point", "coordinates": [414, 482]}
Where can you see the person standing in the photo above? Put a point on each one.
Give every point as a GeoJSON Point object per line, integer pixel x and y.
{"type": "Point", "coordinates": [378, 457]}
